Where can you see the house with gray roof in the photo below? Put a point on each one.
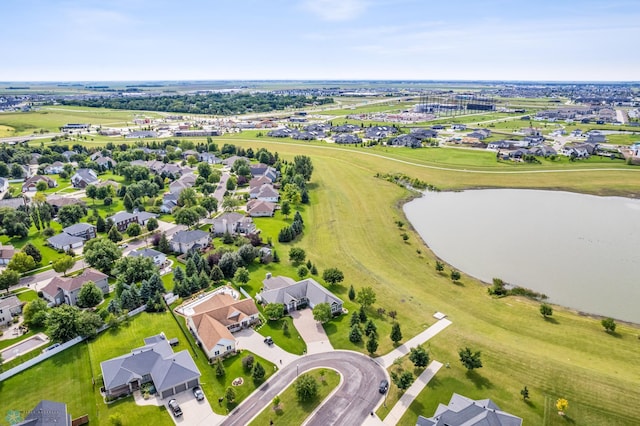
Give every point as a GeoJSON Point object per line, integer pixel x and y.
{"type": "Point", "coordinates": [297, 295]}
{"type": "Point", "coordinates": [265, 192]}
{"type": "Point", "coordinates": [208, 157]}
{"type": "Point", "coordinates": [6, 253]}
{"type": "Point", "coordinates": [123, 219]}
{"type": "Point", "coordinates": [10, 306]}
{"type": "Point", "coordinates": [85, 231]}
{"type": "Point", "coordinates": [183, 241]}
{"type": "Point", "coordinates": [345, 138]}
{"type": "Point", "coordinates": [233, 223]}
{"type": "Point", "coordinates": [66, 242]}
{"type": "Point", "coordinates": [47, 413]}
{"type": "Point", "coordinates": [54, 168]}
{"type": "Point", "coordinates": [468, 412]}
{"type": "Point", "coordinates": [155, 362]}
{"type": "Point", "coordinates": [65, 289]}
{"type": "Point", "coordinates": [83, 178]}
{"type": "Point", "coordinates": [158, 257]}
{"type": "Point", "coordinates": [379, 132]}
{"type": "Point", "coordinates": [409, 141]}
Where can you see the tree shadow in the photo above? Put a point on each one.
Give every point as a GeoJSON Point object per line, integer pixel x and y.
{"type": "Point", "coordinates": [458, 283]}
{"type": "Point", "coordinates": [434, 383]}
{"type": "Point", "coordinates": [614, 334]}
{"type": "Point", "coordinates": [551, 320]}
{"type": "Point", "coordinates": [530, 403]}
{"type": "Point", "coordinates": [479, 381]}
{"type": "Point", "coordinates": [568, 419]}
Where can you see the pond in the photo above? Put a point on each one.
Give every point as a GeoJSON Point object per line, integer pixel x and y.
{"type": "Point", "coordinates": [582, 251]}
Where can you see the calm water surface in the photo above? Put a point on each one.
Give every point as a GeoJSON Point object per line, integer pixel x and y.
{"type": "Point", "coordinates": [580, 250]}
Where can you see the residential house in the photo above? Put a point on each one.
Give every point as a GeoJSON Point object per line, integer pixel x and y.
{"type": "Point", "coordinates": [106, 162]}
{"type": "Point", "coordinates": [66, 242]}
{"type": "Point", "coordinates": [169, 202]}
{"type": "Point", "coordinates": [140, 134]}
{"type": "Point", "coordinates": [4, 184]}
{"type": "Point", "coordinates": [543, 151]}
{"type": "Point", "coordinates": [158, 258]}
{"type": "Point", "coordinates": [6, 253]}
{"type": "Point", "coordinates": [405, 140]}
{"type": "Point", "coordinates": [233, 223]}
{"type": "Point", "coordinates": [297, 295]}
{"type": "Point", "coordinates": [54, 168]}
{"type": "Point", "coordinates": [214, 320]}
{"type": "Point", "coordinates": [318, 127]}
{"type": "Point", "coordinates": [10, 307]}
{"type": "Point", "coordinates": [155, 362]}
{"type": "Point", "coordinates": [257, 182]}
{"type": "Point", "coordinates": [260, 169]}
{"type": "Point", "coordinates": [423, 134]}
{"type": "Point", "coordinates": [576, 133]}
{"type": "Point", "coordinates": [497, 145]}
{"type": "Point", "coordinates": [57, 201]}
{"type": "Point", "coordinates": [69, 154]}
{"type": "Point", "coordinates": [259, 208]}
{"type": "Point", "coordinates": [47, 413]}
{"type": "Point", "coordinates": [189, 152]}
{"type": "Point", "coordinates": [31, 184]}
{"type": "Point", "coordinates": [346, 138]}
{"type": "Point", "coordinates": [480, 134]}
{"type": "Point", "coordinates": [122, 220]}
{"type": "Point", "coordinates": [82, 230]}
{"type": "Point", "coordinates": [185, 181]}
{"type": "Point", "coordinates": [596, 138]}
{"type": "Point", "coordinates": [83, 178]}
{"type": "Point", "coordinates": [307, 136]}
{"type": "Point", "coordinates": [229, 162]}
{"type": "Point", "coordinates": [345, 128]}
{"type": "Point", "coordinates": [379, 132]}
{"type": "Point", "coordinates": [143, 217]}
{"type": "Point", "coordinates": [265, 192]}
{"type": "Point", "coordinates": [183, 241]}
{"type": "Point", "coordinates": [458, 127]}
{"type": "Point", "coordinates": [466, 411]}
{"type": "Point", "coordinates": [65, 289]}
{"type": "Point", "coordinates": [196, 133]}
{"type": "Point", "coordinates": [208, 157]}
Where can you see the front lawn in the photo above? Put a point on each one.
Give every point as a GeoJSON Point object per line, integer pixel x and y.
{"type": "Point", "coordinates": [27, 295]}
{"type": "Point", "coordinates": [290, 411]}
{"type": "Point", "coordinates": [289, 341]}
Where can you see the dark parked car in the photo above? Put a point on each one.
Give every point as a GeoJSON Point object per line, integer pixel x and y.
{"type": "Point", "coordinates": [268, 340]}
{"type": "Point", "coordinates": [384, 386]}
{"type": "Point", "coordinates": [175, 408]}
{"type": "Point", "coordinates": [197, 392]}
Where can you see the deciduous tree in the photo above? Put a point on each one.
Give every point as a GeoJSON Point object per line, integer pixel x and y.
{"type": "Point", "coordinates": [63, 264]}
{"type": "Point", "coordinates": [470, 360]}
{"type": "Point", "coordinates": [322, 312]}
{"type": "Point", "coordinates": [89, 296]}
{"type": "Point", "coordinates": [306, 388]}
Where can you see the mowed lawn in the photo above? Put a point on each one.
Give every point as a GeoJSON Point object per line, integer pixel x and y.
{"type": "Point", "coordinates": [351, 225]}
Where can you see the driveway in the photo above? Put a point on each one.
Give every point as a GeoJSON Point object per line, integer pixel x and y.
{"type": "Point", "coordinates": [194, 412]}
{"type": "Point", "coordinates": [351, 404]}
{"type": "Point", "coordinates": [311, 331]}
{"type": "Point", "coordinates": [253, 341]}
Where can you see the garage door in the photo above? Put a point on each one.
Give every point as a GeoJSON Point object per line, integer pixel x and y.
{"type": "Point", "coordinates": [181, 388]}
{"type": "Point", "coordinates": [193, 383]}
{"type": "Point", "coordinates": [167, 393]}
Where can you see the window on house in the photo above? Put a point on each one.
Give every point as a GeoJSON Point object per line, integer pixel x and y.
{"type": "Point", "coordinates": [216, 353]}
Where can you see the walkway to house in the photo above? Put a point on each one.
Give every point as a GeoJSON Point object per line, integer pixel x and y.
{"type": "Point", "coordinates": [311, 331]}
{"type": "Point", "coordinates": [402, 350]}
{"type": "Point", "coordinates": [407, 398]}
{"type": "Point", "coordinates": [253, 341]}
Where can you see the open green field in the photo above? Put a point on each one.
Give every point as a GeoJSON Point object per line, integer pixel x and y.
{"type": "Point", "coordinates": [290, 411]}
{"type": "Point", "coordinates": [350, 225]}
{"type": "Point", "coordinates": [51, 118]}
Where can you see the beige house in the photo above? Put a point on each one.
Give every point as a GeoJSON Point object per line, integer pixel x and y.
{"type": "Point", "coordinates": [65, 289]}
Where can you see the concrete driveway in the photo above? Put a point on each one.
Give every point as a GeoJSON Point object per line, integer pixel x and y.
{"type": "Point", "coordinates": [253, 341]}
{"type": "Point", "coordinates": [194, 412]}
{"type": "Point", "coordinates": [311, 331]}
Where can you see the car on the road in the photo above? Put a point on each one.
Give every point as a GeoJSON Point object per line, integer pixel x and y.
{"type": "Point", "coordinates": [125, 245]}
{"type": "Point", "coordinates": [268, 340]}
{"type": "Point", "coordinates": [384, 386]}
{"type": "Point", "coordinates": [175, 408]}
{"type": "Point", "coordinates": [197, 392]}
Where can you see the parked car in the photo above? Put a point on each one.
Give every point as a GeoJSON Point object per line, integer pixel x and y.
{"type": "Point", "coordinates": [268, 340]}
{"type": "Point", "coordinates": [384, 386]}
{"type": "Point", "coordinates": [175, 408]}
{"type": "Point", "coordinates": [55, 345]}
{"type": "Point", "coordinates": [197, 392]}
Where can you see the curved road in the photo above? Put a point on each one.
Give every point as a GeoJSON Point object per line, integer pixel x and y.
{"type": "Point", "coordinates": [355, 398]}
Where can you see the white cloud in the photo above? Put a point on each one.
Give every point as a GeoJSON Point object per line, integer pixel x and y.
{"type": "Point", "coordinates": [336, 10]}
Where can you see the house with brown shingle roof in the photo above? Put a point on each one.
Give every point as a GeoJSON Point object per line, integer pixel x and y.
{"type": "Point", "coordinates": [259, 208]}
{"type": "Point", "coordinates": [32, 183]}
{"type": "Point", "coordinates": [6, 253]}
{"type": "Point", "coordinates": [65, 289]}
{"type": "Point", "coordinates": [214, 321]}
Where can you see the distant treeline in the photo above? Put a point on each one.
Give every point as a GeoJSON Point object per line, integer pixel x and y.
{"type": "Point", "coordinates": [214, 103]}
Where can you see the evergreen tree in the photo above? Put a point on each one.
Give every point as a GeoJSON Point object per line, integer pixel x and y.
{"type": "Point", "coordinates": [114, 235]}
{"type": "Point", "coordinates": [362, 314]}
{"type": "Point", "coordinates": [355, 336]}
{"type": "Point", "coordinates": [355, 319]}
{"type": "Point", "coordinates": [258, 372]}
{"type": "Point", "coordinates": [101, 225]}
{"type": "Point", "coordinates": [372, 344]}
{"type": "Point", "coordinates": [163, 244]}
{"type": "Point", "coordinates": [216, 274]}
{"type": "Point", "coordinates": [396, 333]}
{"type": "Point", "coordinates": [219, 368]}
{"type": "Point", "coordinates": [352, 293]}
{"type": "Point", "coordinates": [370, 329]}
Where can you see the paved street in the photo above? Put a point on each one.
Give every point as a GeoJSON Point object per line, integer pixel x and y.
{"type": "Point", "coordinates": [351, 404]}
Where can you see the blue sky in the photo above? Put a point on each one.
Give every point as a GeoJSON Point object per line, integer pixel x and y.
{"type": "Point", "coordinates": [53, 40]}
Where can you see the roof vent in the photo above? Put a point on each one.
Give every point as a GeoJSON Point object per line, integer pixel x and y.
{"type": "Point", "coordinates": [268, 275]}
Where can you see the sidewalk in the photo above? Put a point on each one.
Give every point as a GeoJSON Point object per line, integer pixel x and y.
{"type": "Point", "coordinates": [407, 398]}
{"type": "Point", "coordinates": [387, 360]}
